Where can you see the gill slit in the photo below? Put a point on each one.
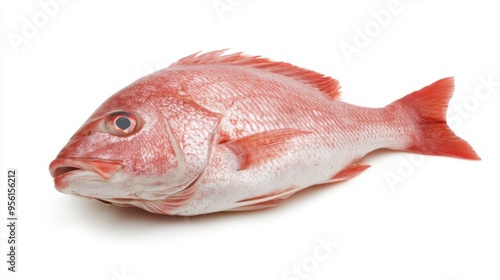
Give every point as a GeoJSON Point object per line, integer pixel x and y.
{"type": "Point", "coordinates": [181, 162]}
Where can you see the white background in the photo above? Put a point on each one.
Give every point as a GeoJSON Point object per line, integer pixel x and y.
{"type": "Point", "coordinates": [440, 221]}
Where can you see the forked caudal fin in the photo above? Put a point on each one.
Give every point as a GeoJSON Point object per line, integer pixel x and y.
{"type": "Point", "coordinates": [434, 136]}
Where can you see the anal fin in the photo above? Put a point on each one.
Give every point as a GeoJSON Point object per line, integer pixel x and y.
{"type": "Point", "coordinates": [271, 200]}
{"type": "Point", "coordinates": [263, 201]}
{"type": "Point", "coordinates": [353, 170]}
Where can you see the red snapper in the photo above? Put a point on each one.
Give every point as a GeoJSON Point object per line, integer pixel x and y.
{"type": "Point", "coordinates": [215, 132]}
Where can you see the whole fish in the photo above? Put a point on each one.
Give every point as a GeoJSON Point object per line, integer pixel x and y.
{"type": "Point", "coordinates": [216, 132]}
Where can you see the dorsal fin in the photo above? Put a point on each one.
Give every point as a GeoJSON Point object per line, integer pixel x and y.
{"type": "Point", "coordinates": [326, 84]}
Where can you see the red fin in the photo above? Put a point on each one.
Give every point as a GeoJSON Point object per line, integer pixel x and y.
{"type": "Point", "coordinates": [257, 148]}
{"type": "Point", "coordinates": [350, 171]}
{"type": "Point", "coordinates": [257, 206]}
{"type": "Point", "coordinates": [172, 202]}
{"type": "Point", "coordinates": [325, 84]}
{"type": "Point", "coordinates": [435, 137]}
{"type": "Point", "coordinates": [263, 201]}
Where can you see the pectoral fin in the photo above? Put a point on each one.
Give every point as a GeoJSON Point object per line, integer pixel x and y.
{"type": "Point", "coordinates": [261, 147]}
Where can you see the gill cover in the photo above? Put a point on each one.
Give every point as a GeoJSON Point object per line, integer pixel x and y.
{"type": "Point", "coordinates": [190, 129]}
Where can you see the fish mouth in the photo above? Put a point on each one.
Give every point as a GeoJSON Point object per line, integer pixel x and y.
{"type": "Point", "coordinates": [62, 168]}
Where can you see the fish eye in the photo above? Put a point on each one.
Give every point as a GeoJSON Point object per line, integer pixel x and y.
{"type": "Point", "coordinates": [121, 123]}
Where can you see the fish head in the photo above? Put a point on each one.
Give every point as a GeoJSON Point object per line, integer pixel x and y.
{"type": "Point", "coordinates": [145, 143]}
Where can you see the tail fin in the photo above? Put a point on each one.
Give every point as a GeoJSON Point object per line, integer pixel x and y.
{"type": "Point", "coordinates": [435, 136]}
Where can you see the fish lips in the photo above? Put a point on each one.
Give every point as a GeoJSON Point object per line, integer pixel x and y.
{"type": "Point", "coordinates": [62, 168]}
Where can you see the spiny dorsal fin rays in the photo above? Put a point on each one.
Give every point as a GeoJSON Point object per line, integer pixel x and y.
{"type": "Point", "coordinates": [325, 84]}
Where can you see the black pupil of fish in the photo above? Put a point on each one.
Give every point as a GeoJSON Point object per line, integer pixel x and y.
{"type": "Point", "coordinates": [122, 123]}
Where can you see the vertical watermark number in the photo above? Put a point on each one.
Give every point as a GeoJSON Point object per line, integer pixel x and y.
{"type": "Point", "coordinates": [11, 220]}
